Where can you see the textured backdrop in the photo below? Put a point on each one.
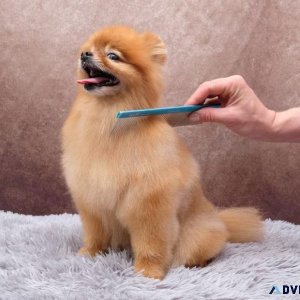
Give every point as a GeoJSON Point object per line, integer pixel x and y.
{"type": "Point", "coordinates": [205, 39]}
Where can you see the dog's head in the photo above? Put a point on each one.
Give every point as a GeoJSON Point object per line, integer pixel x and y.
{"type": "Point", "coordinates": [119, 59]}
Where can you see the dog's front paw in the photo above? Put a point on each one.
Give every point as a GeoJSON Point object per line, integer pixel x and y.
{"type": "Point", "coordinates": [88, 251]}
{"type": "Point", "coordinates": [150, 270]}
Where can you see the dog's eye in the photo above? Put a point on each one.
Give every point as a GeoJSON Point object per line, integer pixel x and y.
{"type": "Point", "coordinates": [113, 56]}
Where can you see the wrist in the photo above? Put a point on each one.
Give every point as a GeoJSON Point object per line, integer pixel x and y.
{"type": "Point", "coordinates": [273, 128]}
{"type": "Point", "coordinates": [286, 126]}
{"type": "Point", "coordinates": [267, 127]}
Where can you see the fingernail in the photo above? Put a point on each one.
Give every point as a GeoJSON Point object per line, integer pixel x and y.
{"type": "Point", "coordinates": [194, 118]}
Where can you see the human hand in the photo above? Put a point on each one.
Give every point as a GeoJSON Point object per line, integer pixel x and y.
{"type": "Point", "coordinates": [241, 111]}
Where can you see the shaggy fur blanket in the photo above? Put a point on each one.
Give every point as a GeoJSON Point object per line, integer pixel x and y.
{"type": "Point", "coordinates": [38, 261]}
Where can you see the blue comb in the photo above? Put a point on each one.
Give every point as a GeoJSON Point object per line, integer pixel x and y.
{"type": "Point", "coordinates": [175, 115]}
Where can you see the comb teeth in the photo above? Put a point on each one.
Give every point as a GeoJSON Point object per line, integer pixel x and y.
{"type": "Point", "coordinates": [124, 124]}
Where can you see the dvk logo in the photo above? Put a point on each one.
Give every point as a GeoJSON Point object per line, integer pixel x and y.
{"type": "Point", "coordinates": [275, 290]}
{"type": "Point", "coordinates": [286, 289]}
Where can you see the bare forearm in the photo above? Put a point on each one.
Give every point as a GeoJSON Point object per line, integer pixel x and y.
{"type": "Point", "coordinates": [286, 126]}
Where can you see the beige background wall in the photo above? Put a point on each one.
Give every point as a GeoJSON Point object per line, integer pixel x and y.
{"type": "Point", "coordinates": [205, 39]}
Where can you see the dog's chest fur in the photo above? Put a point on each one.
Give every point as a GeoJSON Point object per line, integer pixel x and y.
{"type": "Point", "coordinates": [99, 167]}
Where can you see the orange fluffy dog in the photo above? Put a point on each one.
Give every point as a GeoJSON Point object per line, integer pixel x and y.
{"type": "Point", "coordinates": [139, 189]}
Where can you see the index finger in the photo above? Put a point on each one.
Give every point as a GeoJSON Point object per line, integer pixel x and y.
{"type": "Point", "coordinates": [207, 89]}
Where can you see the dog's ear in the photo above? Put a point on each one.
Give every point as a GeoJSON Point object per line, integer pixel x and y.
{"type": "Point", "coordinates": [156, 46]}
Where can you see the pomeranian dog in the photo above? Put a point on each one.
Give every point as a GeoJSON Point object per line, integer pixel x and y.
{"type": "Point", "coordinates": [139, 189]}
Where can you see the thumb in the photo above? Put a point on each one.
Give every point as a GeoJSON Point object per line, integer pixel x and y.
{"type": "Point", "coordinates": [218, 115]}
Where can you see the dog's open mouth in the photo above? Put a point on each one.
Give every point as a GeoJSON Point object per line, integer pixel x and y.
{"type": "Point", "coordinates": [97, 78]}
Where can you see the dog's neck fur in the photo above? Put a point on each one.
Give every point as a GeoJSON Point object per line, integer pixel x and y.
{"type": "Point", "coordinates": [103, 109]}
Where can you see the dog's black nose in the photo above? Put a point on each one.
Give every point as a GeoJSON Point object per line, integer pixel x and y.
{"type": "Point", "coordinates": [86, 55]}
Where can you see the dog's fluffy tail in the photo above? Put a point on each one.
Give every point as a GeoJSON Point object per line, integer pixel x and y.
{"type": "Point", "coordinates": [244, 224]}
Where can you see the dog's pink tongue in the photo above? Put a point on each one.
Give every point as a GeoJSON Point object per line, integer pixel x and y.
{"type": "Point", "coordinates": [91, 80]}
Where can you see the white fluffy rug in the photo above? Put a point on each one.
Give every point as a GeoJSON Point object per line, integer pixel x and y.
{"type": "Point", "coordinates": [38, 261]}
